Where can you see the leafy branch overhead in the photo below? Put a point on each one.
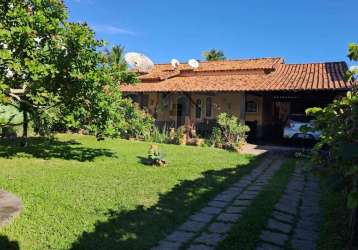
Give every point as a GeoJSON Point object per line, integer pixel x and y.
{"type": "Point", "coordinates": [56, 71]}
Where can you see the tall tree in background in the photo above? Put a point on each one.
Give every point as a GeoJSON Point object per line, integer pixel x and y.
{"type": "Point", "coordinates": [214, 55]}
{"type": "Point", "coordinates": [116, 57]}
{"type": "Point", "coordinates": [53, 71]}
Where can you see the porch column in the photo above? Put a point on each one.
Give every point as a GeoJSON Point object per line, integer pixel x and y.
{"type": "Point", "coordinates": [242, 101]}
{"type": "Point", "coordinates": [188, 125]}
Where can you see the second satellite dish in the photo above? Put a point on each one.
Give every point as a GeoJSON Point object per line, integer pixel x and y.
{"type": "Point", "coordinates": [139, 62]}
{"type": "Point", "coordinates": [194, 64]}
{"type": "Point", "coordinates": [175, 63]}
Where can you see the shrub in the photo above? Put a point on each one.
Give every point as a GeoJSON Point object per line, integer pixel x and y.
{"type": "Point", "coordinates": [230, 134]}
{"type": "Point", "coordinates": [136, 123]}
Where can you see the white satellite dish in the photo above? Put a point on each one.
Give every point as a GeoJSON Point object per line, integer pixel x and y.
{"type": "Point", "coordinates": [175, 63]}
{"type": "Point", "coordinates": [139, 62]}
{"type": "Point", "coordinates": [194, 64]}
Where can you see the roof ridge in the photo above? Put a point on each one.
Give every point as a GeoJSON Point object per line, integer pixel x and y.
{"type": "Point", "coordinates": [230, 60]}
{"type": "Point", "coordinates": [315, 63]}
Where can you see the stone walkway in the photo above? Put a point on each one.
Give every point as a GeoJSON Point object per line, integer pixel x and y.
{"type": "Point", "coordinates": [10, 206]}
{"type": "Point", "coordinates": [295, 221]}
{"type": "Point", "coordinates": [206, 228]}
{"type": "Point", "coordinates": [254, 149]}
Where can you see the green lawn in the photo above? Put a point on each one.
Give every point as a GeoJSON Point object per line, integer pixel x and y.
{"type": "Point", "coordinates": [82, 194]}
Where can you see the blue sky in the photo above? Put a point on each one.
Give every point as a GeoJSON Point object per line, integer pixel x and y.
{"type": "Point", "coordinates": [300, 31]}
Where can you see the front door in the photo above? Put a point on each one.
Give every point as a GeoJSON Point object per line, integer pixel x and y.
{"type": "Point", "coordinates": [181, 111]}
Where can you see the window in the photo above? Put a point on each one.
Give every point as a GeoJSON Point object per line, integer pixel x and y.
{"type": "Point", "coordinates": [251, 107]}
{"type": "Point", "coordinates": [198, 109]}
{"type": "Point", "coordinates": [209, 104]}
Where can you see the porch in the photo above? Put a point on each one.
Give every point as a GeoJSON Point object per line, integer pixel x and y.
{"type": "Point", "coordinates": [265, 112]}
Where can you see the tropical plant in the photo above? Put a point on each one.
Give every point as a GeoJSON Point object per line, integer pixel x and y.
{"type": "Point", "coordinates": [338, 123]}
{"type": "Point", "coordinates": [230, 133]}
{"type": "Point", "coordinates": [214, 55]}
{"type": "Point", "coordinates": [115, 57]}
{"type": "Point", "coordinates": [53, 71]}
{"type": "Point", "coordinates": [216, 138]}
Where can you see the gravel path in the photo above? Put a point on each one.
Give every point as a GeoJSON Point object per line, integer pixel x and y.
{"type": "Point", "coordinates": [10, 206]}
{"type": "Point", "coordinates": [296, 218]}
{"type": "Point", "coordinates": [206, 228]}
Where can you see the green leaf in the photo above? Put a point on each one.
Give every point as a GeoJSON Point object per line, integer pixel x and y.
{"type": "Point", "coordinates": [352, 200]}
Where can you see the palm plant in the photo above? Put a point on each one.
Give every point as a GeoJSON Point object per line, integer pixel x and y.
{"type": "Point", "coordinates": [116, 57]}
{"type": "Point", "coordinates": [214, 55]}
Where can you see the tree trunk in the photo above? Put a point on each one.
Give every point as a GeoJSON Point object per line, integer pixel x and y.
{"type": "Point", "coordinates": [25, 127]}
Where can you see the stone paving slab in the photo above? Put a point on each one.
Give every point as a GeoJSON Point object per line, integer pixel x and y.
{"type": "Point", "coordinates": [10, 207]}
{"type": "Point", "coordinates": [202, 217]}
{"type": "Point", "coordinates": [243, 203]}
{"type": "Point", "coordinates": [167, 245]}
{"type": "Point", "coordinates": [279, 226]}
{"type": "Point", "coordinates": [274, 237]}
{"type": "Point", "coordinates": [219, 227]}
{"type": "Point", "coordinates": [211, 210]}
{"type": "Point", "coordinates": [210, 239]}
{"type": "Point", "coordinates": [234, 210]}
{"type": "Point", "coordinates": [180, 236]}
{"type": "Point", "coordinates": [283, 217]}
{"type": "Point", "coordinates": [286, 208]}
{"type": "Point", "coordinates": [228, 217]}
{"type": "Point", "coordinates": [192, 226]}
{"type": "Point", "coordinates": [219, 204]}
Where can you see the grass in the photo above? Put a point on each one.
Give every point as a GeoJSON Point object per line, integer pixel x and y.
{"type": "Point", "coordinates": [82, 194]}
{"type": "Point", "coordinates": [334, 232]}
{"type": "Point", "coordinates": [246, 232]}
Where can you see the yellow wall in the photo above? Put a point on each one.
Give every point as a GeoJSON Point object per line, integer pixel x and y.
{"type": "Point", "coordinates": [257, 116]}
{"type": "Point", "coordinates": [221, 102]}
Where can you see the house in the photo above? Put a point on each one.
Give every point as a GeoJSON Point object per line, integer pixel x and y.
{"type": "Point", "coordinates": [261, 92]}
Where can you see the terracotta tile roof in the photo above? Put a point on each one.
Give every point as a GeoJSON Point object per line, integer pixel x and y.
{"type": "Point", "coordinates": [164, 71]}
{"type": "Point", "coordinates": [240, 75]}
{"type": "Point", "coordinates": [198, 84]}
{"type": "Point", "coordinates": [311, 76]}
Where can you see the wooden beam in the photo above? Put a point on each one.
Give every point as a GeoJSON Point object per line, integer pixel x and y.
{"type": "Point", "coordinates": [242, 101]}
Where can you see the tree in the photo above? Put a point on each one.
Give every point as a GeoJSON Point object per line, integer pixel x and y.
{"type": "Point", "coordinates": [338, 123]}
{"type": "Point", "coordinates": [214, 55]}
{"type": "Point", "coordinates": [116, 57]}
{"type": "Point", "coordinates": [53, 71]}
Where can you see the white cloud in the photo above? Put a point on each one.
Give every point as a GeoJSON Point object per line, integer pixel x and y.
{"type": "Point", "coordinates": [111, 30]}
